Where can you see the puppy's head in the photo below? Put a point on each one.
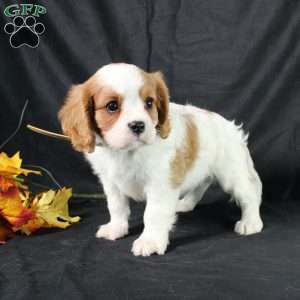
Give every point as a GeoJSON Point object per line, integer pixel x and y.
{"type": "Point", "coordinates": [125, 106]}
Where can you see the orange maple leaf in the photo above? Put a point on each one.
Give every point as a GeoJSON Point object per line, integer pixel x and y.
{"type": "Point", "coordinates": [32, 225]}
{"type": "Point", "coordinates": [5, 184]}
{"type": "Point", "coordinates": [12, 208]}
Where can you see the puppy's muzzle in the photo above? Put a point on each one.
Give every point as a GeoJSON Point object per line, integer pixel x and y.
{"type": "Point", "coordinates": [137, 127]}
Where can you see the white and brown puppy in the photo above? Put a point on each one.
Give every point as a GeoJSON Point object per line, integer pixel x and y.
{"type": "Point", "coordinates": [144, 148]}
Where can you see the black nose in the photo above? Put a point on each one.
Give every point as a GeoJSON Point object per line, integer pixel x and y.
{"type": "Point", "coordinates": [137, 127]}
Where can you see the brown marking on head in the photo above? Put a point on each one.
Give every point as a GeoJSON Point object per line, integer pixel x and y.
{"type": "Point", "coordinates": [155, 88]}
{"type": "Point", "coordinates": [84, 113]}
{"type": "Point", "coordinates": [185, 155]}
{"type": "Point", "coordinates": [103, 118]}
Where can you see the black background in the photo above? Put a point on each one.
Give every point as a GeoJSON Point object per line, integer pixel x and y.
{"type": "Point", "coordinates": [238, 58]}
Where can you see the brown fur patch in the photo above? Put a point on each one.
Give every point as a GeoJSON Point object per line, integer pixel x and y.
{"type": "Point", "coordinates": [104, 119]}
{"type": "Point", "coordinates": [155, 87]}
{"type": "Point", "coordinates": [149, 90]}
{"type": "Point", "coordinates": [186, 154]}
{"type": "Point", "coordinates": [84, 112]}
{"type": "Point", "coordinates": [76, 120]}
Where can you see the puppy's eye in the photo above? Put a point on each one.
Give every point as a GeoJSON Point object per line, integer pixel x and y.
{"type": "Point", "coordinates": [112, 106]}
{"type": "Point", "coordinates": [149, 102]}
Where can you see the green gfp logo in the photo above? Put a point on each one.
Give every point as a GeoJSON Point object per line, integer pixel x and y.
{"type": "Point", "coordinates": [24, 10]}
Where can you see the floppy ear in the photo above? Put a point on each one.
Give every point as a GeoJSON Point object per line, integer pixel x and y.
{"type": "Point", "coordinates": [163, 105]}
{"type": "Point", "coordinates": [76, 120]}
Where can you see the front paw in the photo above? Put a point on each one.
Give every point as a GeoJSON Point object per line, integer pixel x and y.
{"type": "Point", "coordinates": [145, 246]}
{"type": "Point", "coordinates": [248, 226]}
{"type": "Point", "coordinates": [112, 231]}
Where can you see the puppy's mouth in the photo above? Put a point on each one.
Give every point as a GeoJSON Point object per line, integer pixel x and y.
{"type": "Point", "coordinates": [137, 141]}
{"type": "Point", "coordinates": [147, 138]}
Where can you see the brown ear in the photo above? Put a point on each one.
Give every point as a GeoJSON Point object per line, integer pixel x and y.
{"type": "Point", "coordinates": [76, 121]}
{"type": "Point", "coordinates": [163, 105]}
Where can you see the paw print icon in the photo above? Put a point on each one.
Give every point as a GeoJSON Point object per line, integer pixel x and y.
{"type": "Point", "coordinates": [24, 32]}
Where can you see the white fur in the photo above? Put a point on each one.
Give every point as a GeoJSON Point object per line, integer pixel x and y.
{"type": "Point", "coordinates": [143, 172]}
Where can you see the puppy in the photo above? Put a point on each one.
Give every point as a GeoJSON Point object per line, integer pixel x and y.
{"type": "Point", "coordinates": [144, 148]}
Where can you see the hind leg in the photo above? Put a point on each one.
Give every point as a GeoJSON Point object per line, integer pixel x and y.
{"type": "Point", "coordinates": [242, 181]}
{"type": "Point", "coordinates": [248, 197]}
{"type": "Point", "coordinates": [189, 202]}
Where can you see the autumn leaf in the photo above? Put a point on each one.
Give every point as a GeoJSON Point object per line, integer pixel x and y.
{"type": "Point", "coordinates": [12, 208]}
{"type": "Point", "coordinates": [32, 225]}
{"type": "Point", "coordinates": [20, 210]}
{"type": "Point", "coordinates": [5, 184]}
{"type": "Point", "coordinates": [8, 188]}
{"type": "Point", "coordinates": [11, 166]}
{"type": "Point", "coordinates": [51, 207]}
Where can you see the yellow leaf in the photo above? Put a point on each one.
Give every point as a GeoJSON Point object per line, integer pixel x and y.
{"type": "Point", "coordinates": [11, 166]}
{"type": "Point", "coordinates": [52, 208]}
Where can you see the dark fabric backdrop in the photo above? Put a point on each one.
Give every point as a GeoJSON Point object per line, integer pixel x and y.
{"type": "Point", "coordinates": [238, 58]}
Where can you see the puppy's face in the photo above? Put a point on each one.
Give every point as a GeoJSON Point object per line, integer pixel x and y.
{"type": "Point", "coordinates": [126, 106]}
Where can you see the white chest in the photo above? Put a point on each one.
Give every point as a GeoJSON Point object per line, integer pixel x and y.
{"type": "Point", "coordinates": [128, 173]}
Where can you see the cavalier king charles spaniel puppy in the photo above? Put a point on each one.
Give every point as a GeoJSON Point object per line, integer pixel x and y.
{"type": "Point", "coordinates": [144, 148]}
